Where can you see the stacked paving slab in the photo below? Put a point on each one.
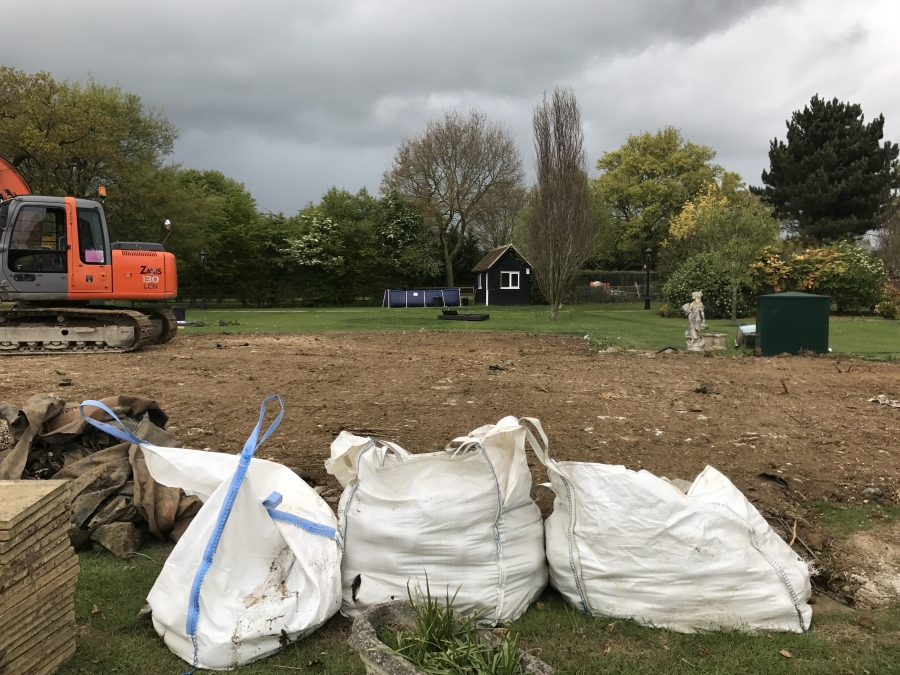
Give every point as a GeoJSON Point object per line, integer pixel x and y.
{"type": "Point", "coordinates": [38, 570]}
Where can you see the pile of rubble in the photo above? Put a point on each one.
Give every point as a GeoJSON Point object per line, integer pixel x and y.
{"type": "Point", "coordinates": [115, 503]}
{"type": "Point", "coordinates": [38, 570]}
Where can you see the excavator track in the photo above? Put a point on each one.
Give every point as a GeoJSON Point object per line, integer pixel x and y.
{"type": "Point", "coordinates": [73, 330]}
{"type": "Point", "coordinates": [168, 322]}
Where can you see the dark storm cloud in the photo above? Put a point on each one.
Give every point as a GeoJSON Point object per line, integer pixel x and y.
{"type": "Point", "coordinates": [291, 97]}
{"type": "Point", "coordinates": [354, 72]}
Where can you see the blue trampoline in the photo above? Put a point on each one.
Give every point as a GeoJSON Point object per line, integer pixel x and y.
{"type": "Point", "coordinates": [443, 297]}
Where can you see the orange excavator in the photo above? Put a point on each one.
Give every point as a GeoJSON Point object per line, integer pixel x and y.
{"type": "Point", "coordinates": [56, 262]}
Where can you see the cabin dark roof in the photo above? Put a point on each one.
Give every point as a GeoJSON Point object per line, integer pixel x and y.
{"type": "Point", "coordinates": [493, 256]}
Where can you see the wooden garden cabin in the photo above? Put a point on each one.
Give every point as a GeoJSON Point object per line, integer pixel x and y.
{"type": "Point", "coordinates": [503, 277]}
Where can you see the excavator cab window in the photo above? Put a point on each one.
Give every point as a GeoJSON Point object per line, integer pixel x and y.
{"type": "Point", "coordinates": [91, 243]}
{"type": "Point", "coordinates": [38, 240]}
{"type": "Point", "coordinates": [4, 212]}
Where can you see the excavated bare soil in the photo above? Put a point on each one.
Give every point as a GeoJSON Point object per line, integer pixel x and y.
{"type": "Point", "coordinates": [785, 430]}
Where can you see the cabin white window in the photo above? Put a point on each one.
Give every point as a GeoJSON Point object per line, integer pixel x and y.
{"type": "Point", "coordinates": [479, 280]}
{"type": "Point", "coordinates": [509, 280]}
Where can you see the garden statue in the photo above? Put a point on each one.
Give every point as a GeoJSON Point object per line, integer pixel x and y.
{"type": "Point", "coordinates": [696, 322]}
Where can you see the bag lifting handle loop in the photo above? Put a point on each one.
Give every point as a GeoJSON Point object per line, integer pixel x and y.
{"type": "Point", "coordinates": [253, 442]}
{"type": "Point", "coordinates": [542, 451]}
{"type": "Point", "coordinates": [123, 434]}
{"type": "Point", "coordinates": [466, 443]}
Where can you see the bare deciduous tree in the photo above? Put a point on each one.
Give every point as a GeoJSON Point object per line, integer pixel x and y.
{"type": "Point", "coordinates": [460, 172]}
{"type": "Point", "coordinates": [561, 227]}
{"type": "Point", "coordinates": [887, 237]}
{"type": "Point", "coordinates": [497, 227]}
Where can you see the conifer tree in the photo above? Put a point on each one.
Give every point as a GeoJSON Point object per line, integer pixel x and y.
{"type": "Point", "coordinates": [831, 177]}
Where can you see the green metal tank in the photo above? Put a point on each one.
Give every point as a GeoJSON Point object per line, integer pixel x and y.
{"type": "Point", "coordinates": [791, 322]}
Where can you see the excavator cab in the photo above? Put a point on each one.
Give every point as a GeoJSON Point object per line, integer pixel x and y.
{"type": "Point", "coordinates": [34, 243]}
{"type": "Point", "coordinates": [53, 248]}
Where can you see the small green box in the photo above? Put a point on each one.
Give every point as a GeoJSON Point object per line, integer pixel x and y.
{"type": "Point", "coordinates": [792, 322]}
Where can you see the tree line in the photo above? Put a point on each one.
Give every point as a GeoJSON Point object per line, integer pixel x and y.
{"type": "Point", "coordinates": [455, 190]}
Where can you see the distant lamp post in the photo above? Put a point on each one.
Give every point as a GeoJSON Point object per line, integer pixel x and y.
{"type": "Point", "coordinates": [203, 255]}
{"type": "Point", "coordinates": [168, 226]}
{"type": "Point", "coordinates": [648, 259]}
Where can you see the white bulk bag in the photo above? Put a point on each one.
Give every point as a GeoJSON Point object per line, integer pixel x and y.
{"type": "Point", "coordinates": [629, 544]}
{"type": "Point", "coordinates": [259, 563]}
{"type": "Point", "coordinates": [462, 517]}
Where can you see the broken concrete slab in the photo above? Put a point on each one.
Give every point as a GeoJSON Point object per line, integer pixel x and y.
{"type": "Point", "coordinates": [828, 606]}
{"type": "Point", "coordinates": [121, 539]}
{"type": "Point", "coordinates": [379, 661]}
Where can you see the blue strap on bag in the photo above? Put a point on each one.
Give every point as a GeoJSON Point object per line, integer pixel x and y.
{"type": "Point", "coordinates": [250, 447]}
{"type": "Point", "coordinates": [123, 434]}
{"type": "Point", "coordinates": [271, 503]}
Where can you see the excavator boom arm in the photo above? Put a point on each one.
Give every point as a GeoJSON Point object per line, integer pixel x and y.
{"type": "Point", "coordinates": [11, 182]}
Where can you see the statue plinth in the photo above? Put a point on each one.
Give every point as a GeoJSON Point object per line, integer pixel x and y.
{"type": "Point", "coordinates": [714, 341]}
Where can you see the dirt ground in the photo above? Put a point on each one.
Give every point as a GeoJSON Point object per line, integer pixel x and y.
{"type": "Point", "coordinates": [785, 430]}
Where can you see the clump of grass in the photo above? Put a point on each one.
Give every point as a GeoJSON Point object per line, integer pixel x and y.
{"type": "Point", "coordinates": [842, 520]}
{"type": "Point", "coordinates": [601, 343]}
{"type": "Point", "coordinates": [666, 311]}
{"type": "Point", "coordinates": [442, 643]}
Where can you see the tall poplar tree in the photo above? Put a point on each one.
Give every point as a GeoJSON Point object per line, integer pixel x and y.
{"type": "Point", "coordinates": [561, 226]}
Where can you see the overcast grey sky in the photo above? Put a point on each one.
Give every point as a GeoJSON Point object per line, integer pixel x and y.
{"type": "Point", "coordinates": [291, 97]}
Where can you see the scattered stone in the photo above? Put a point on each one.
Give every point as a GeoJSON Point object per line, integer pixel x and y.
{"type": "Point", "coordinates": [884, 400]}
{"type": "Point", "coordinates": [714, 342]}
{"type": "Point", "coordinates": [79, 538]}
{"type": "Point", "coordinates": [123, 540]}
{"type": "Point", "coordinates": [868, 622]}
{"type": "Point", "coordinates": [816, 541]}
{"type": "Point", "coordinates": [872, 493]}
{"type": "Point", "coordinates": [377, 659]}
{"type": "Point", "coordinates": [775, 478]}
{"type": "Point", "coordinates": [825, 605]}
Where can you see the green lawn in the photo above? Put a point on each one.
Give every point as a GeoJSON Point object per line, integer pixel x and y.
{"type": "Point", "coordinates": [110, 593]}
{"type": "Point", "coordinates": [625, 325]}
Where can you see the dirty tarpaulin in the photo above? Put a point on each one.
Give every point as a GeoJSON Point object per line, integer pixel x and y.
{"type": "Point", "coordinates": [111, 488]}
{"type": "Point", "coordinates": [24, 425]}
